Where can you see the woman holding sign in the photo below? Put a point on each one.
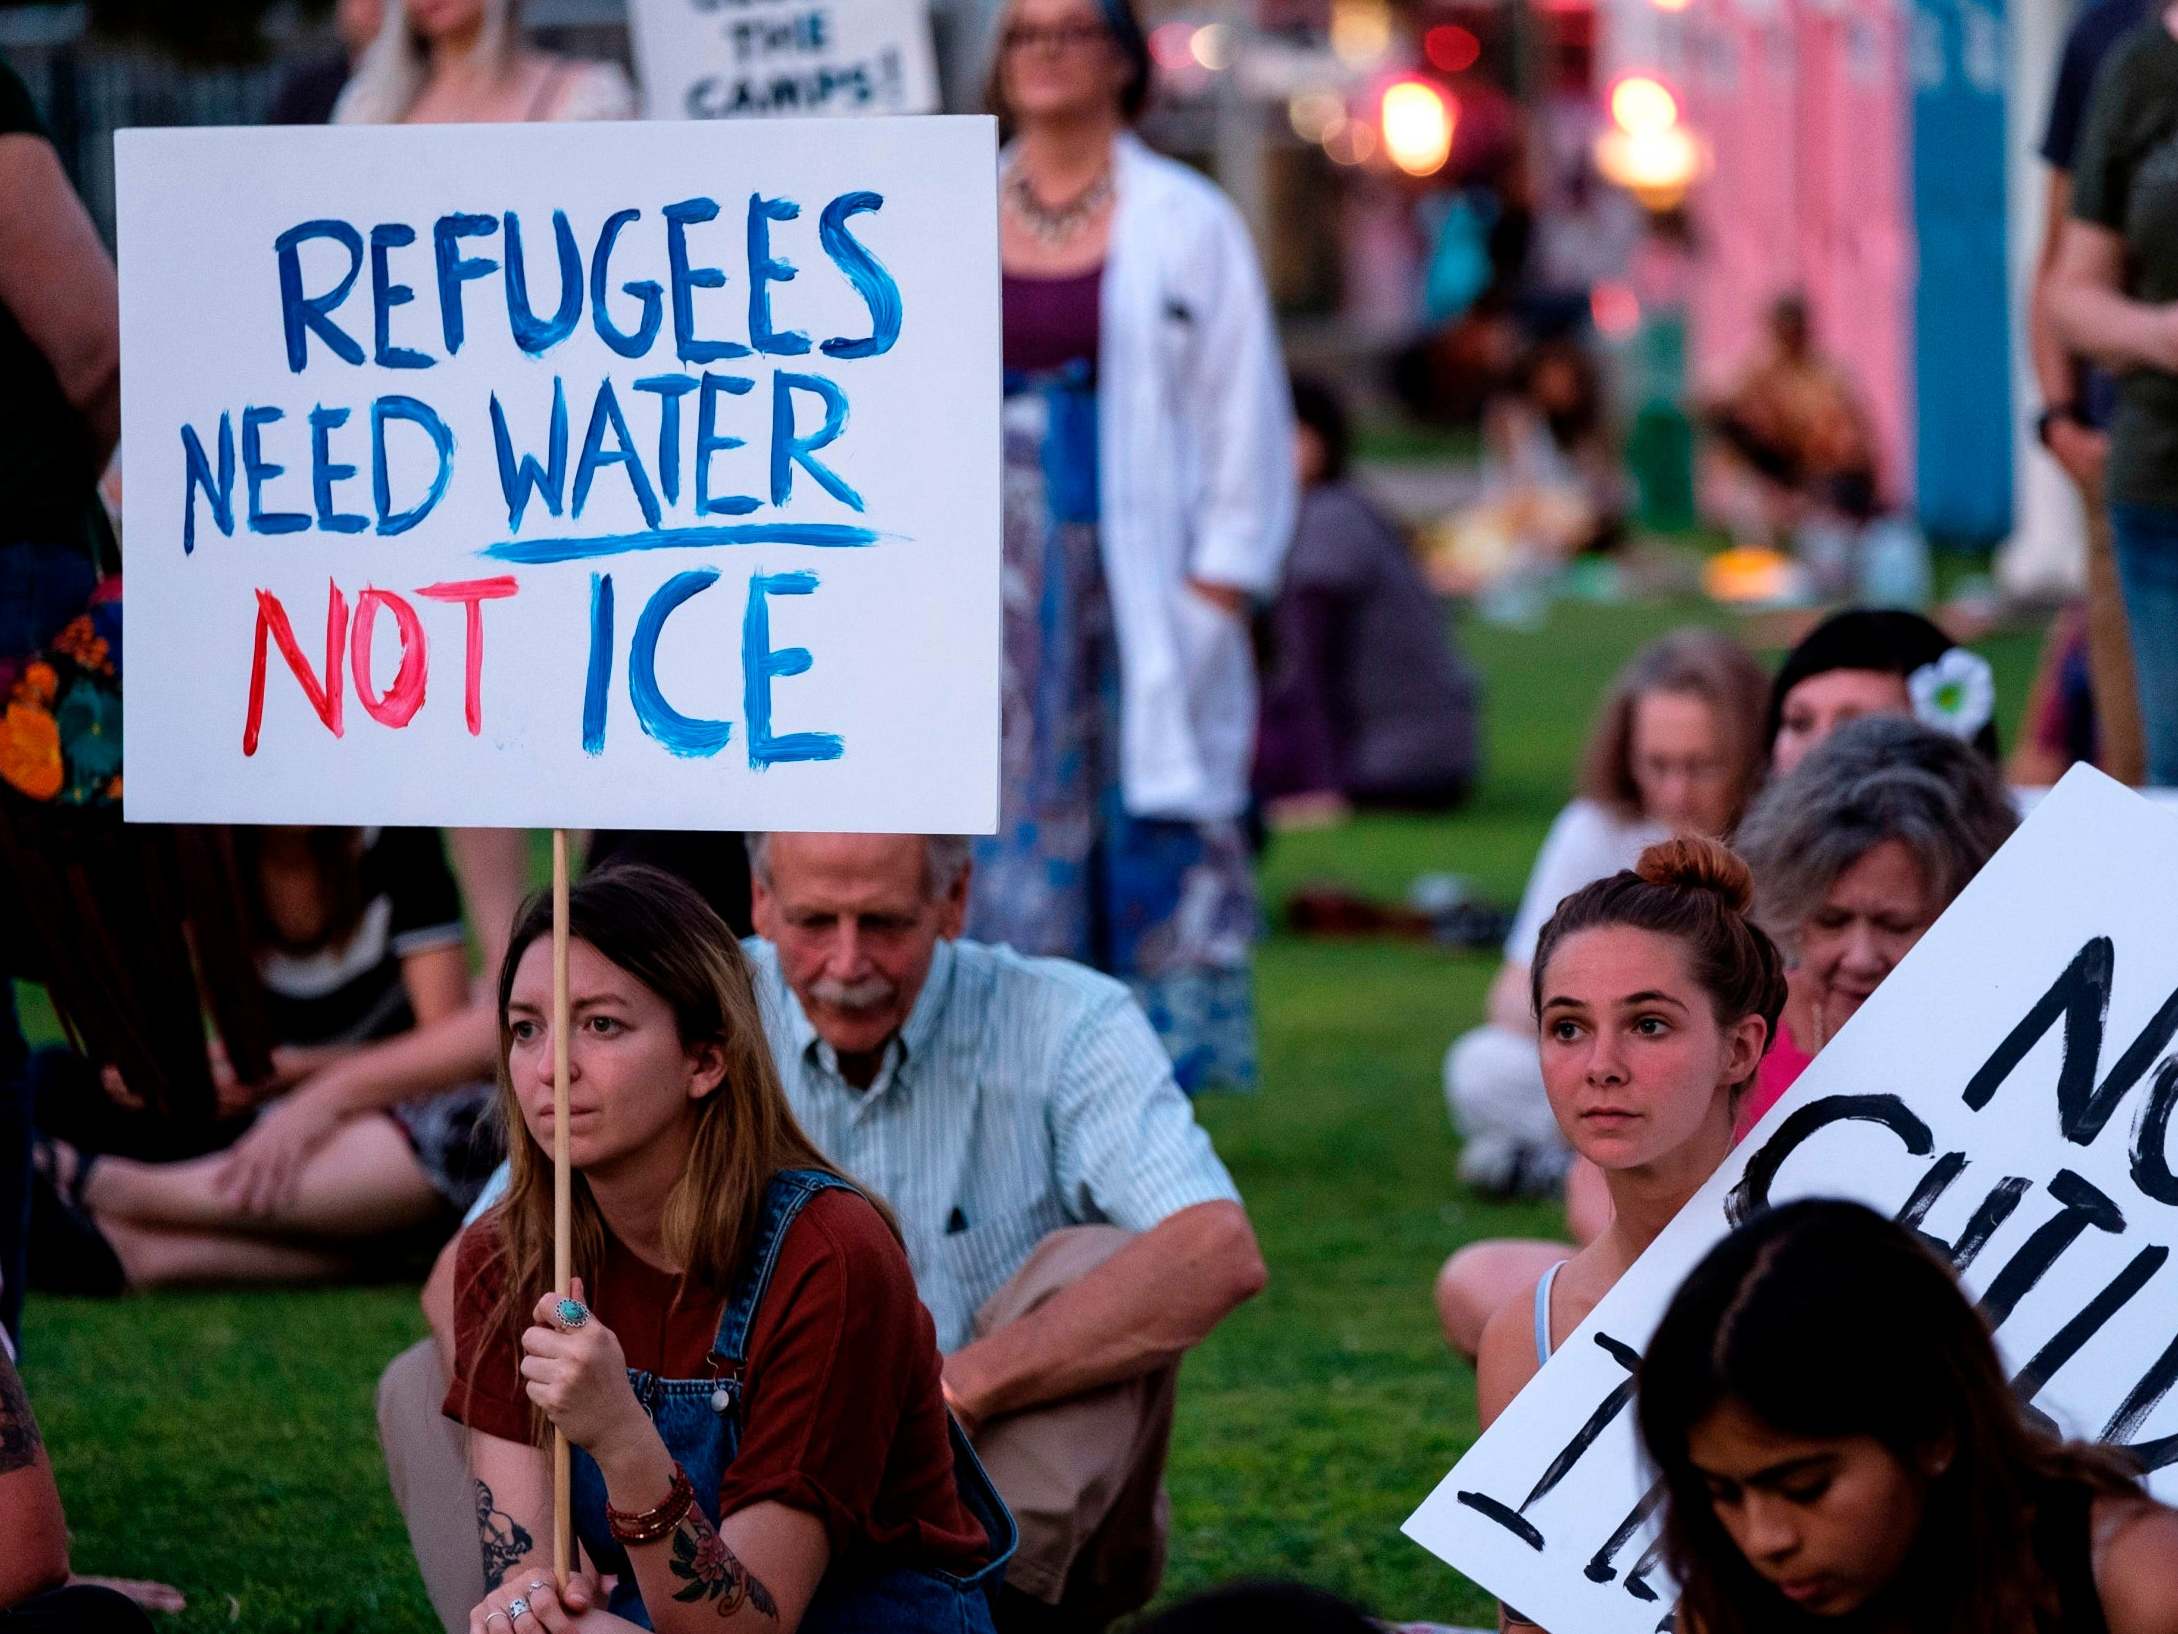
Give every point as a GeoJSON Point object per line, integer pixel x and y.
{"type": "Point", "coordinates": [1149, 502]}
{"type": "Point", "coordinates": [1655, 996]}
{"type": "Point", "coordinates": [752, 1390]}
{"type": "Point", "coordinates": [1842, 1449]}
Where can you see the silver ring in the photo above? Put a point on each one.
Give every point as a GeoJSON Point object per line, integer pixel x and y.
{"type": "Point", "coordinates": [538, 1587]}
{"type": "Point", "coordinates": [517, 1609]}
{"type": "Point", "coordinates": [570, 1314]}
{"type": "Point", "coordinates": [489, 1615]}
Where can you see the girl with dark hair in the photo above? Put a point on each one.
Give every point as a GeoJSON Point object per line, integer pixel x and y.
{"type": "Point", "coordinates": [1841, 1448]}
{"type": "Point", "coordinates": [1877, 661]}
{"type": "Point", "coordinates": [1149, 505]}
{"type": "Point", "coordinates": [753, 1396]}
{"type": "Point", "coordinates": [1655, 996]}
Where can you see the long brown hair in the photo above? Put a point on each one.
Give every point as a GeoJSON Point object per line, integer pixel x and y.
{"type": "Point", "coordinates": [1824, 1319]}
{"type": "Point", "coordinates": [1705, 664]}
{"type": "Point", "coordinates": [663, 934]}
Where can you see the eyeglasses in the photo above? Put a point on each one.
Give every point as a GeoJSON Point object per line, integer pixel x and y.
{"type": "Point", "coordinates": [1061, 38]}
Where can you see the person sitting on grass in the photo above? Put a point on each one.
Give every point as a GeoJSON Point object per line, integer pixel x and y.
{"type": "Point", "coordinates": [760, 1437]}
{"type": "Point", "coordinates": [1655, 997]}
{"type": "Point", "coordinates": [1068, 1222]}
{"type": "Point", "coordinates": [359, 945]}
{"type": "Point", "coordinates": [37, 1596]}
{"type": "Point", "coordinates": [1855, 855]}
{"type": "Point", "coordinates": [1365, 700]}
{"type": "Point", "coordinates": [1676, 749]}
{"type": "Point", "coordinates": [1841, 1448]}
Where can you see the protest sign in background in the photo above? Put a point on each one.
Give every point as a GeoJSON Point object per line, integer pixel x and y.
{"type": "Point", "coordinates": [739, 59]}
{"type": "Point", "coordinates": [563, 475]}
{"type": "Point", "coordinates": [2009, 1091]}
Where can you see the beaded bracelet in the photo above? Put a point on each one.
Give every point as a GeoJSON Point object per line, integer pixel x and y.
{"type": "Point", "coordinates": [650, 1525]}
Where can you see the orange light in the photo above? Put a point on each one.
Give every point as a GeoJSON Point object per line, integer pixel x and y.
{"type": "Point", "coordinates": [1671, 5]}
{"type": "Point", "coordinates": [1643, 106]}
{"type": "Point", "coordinates": [1418, 121]}
{"type": "Point", "coordinates": [1657, 167]}
{"type": "Point", "coordinates": [1450, 48]}
{"type": "Point", "coordinates": [1361, 31]}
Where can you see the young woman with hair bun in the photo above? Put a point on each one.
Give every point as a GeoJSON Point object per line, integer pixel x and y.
{"type": "Point", "coordinates": [1677, 749]}
{"type": "Point", "coordinates": [1655, 996]}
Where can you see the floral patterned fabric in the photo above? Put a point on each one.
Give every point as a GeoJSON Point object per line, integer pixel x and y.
{"type": "Point", "coordinates": [60, 726]}
{"type": "Point", "coordinates": [1168, 907]}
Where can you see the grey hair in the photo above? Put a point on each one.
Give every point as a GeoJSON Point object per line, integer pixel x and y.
{"type": "Point", "coordinates": [391, 74]}
{"type": "Point", "coordinates": [945, 860]}
{"type": "Point", "coordinates": [1882, 777]}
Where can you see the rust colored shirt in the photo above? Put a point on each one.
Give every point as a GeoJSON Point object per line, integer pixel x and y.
{"type": "Point", "coordinates": [842, 1418]}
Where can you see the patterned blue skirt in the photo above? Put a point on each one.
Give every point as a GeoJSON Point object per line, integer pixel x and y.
{"type": "Point", "coordinates": [1168, 907]}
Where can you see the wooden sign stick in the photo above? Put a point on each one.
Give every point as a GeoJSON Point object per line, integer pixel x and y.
{"type": "Point", "coordinates": [563, 1515]}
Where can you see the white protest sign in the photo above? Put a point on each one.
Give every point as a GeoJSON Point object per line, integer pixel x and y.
{"type": "Point", "coordinates": [563, 475]}
{"type": "Point", "coordinates": [738, 59]}
{"type": "Point", "coordinates": [2008, 1091]}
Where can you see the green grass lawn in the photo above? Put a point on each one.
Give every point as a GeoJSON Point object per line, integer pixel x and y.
{"type": "Point", "coordinates": [226, 1443]}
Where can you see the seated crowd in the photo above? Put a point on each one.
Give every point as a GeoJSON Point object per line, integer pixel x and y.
{"type": "Point", "coordinates": [888, 1244]}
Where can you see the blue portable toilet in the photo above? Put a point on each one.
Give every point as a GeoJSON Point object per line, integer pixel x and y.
{"type": "Point", "coordinates": [1962, 317]}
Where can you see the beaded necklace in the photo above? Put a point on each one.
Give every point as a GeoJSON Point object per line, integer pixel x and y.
{"type": "Point", "coordinates": [1055, 223]}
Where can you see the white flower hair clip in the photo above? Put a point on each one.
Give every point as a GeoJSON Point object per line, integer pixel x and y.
{"type": "Point", "coordinates": [1955, 694]}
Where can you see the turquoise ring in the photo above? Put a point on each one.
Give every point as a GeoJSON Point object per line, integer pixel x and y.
{"type": "Point", "coordinates": [570, 1314]}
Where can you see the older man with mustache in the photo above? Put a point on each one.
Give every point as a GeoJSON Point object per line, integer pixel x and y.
{"type": "Point", "coordinates": [1070, 1227]}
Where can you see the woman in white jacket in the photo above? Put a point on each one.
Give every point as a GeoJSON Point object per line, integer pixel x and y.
{"type": "Point", "coordinates": [1148, 503]}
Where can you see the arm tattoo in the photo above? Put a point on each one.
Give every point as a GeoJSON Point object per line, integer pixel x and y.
{"type": "Point", "coordinates": [19, 1438]}
{"type": "Point", "coordinates": [715, 1573]}
{"type": "Point", "coordinates": [506, 1541]}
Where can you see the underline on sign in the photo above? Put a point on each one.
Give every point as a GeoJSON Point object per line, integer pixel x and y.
{"type": "Point", "coordinates": [824, 535]}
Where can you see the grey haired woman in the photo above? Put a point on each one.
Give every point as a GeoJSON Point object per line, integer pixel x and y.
{"type": "Point", "coordinates": [1855, 854]}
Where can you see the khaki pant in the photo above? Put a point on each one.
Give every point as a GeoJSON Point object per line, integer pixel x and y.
{"type": "Point", "coordinates": [2119, 744]}
{"type": "Point", "coordinates": [1084, 1478]}
{"type": "Point", "coordinates": [427, 1464]}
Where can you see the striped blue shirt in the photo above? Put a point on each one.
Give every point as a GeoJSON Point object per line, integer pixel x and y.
{"type": "Point", "coordinates": [1021, 1096]}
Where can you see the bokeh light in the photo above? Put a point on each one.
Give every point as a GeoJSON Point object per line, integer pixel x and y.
{"type": "Point", "coordinates": [1172, 46]}
{"type": "Point", "coordinates": [1418, 121]}
{"type": "Point", "coordinates": [1642, 105]}
{"type": "Point", "coordinates": [1361, 31]}
{"type": "Point", "coordinates": [1350, 142]}
{"type": "Point", "coordinates": [1451, 49]}
{"type": "Point", "coordinates": [1212, 46]}
{"type": "Point", "coordinates": [1313, 113]}
{"type": "Point", "coordinates": [1615, 309]}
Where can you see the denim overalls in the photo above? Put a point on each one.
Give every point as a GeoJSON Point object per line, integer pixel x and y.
{"type": "Point", "coordinates": [700, 1422]}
